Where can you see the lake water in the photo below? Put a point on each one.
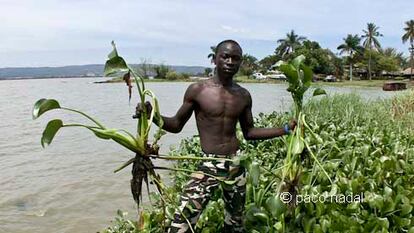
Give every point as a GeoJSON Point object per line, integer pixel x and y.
{"type": "Point", "coordinates": [70, 186]}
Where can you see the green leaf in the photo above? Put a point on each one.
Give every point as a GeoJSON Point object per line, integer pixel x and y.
{"type": "Point", "coordinates": [43, 105]}
{"type": "Point", "coordinates": [384, 223]}
{"type": "Point", "coordinates": [307, 75]}
{"type": "Point", "coordinates": [297, 61]}
{"type": "Point", "coordinates": [319, 91]}
{"type": "Point", "coordinates": [291, 75]}
{"type": "Point", "coordinates": [261, 217]}
{"type": "Point", "coordinates": [275, 206]}
{"type": "Point", "coordinates": [115, 65]}
{"type": "Point", "coordinates": [254, 173]}
{"type": "Point", "coordinates": [325, 225]}
{"type": "Point", "coordinates": [259, 197]}
{"type": "Point", "coordinates": [317, 228]}
{"type": "Point", "coordinates": [114, 52]}
{"type": "Point", "coordinates": [50, 131]}
{"type": "Point", "coordinates": [406, 209]}
{"type": "Point", "coordinates": [308, 224]}
{"type": "Point", "coordinates": [251, 209]}
{"type": "Point", "coordinates": [243, 160]}
{"type": "Point", "coordinates": [279, 63]}
{"type": "Point", "coordinates": [403, 222]}
{"type": "Point", "coordinates": [298, 145]}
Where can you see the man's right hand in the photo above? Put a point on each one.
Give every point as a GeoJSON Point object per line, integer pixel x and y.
{"type": "Point", "coordinates": [139, 110]}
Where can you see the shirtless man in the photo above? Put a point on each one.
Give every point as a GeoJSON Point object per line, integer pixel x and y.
{"type": "Point", "coordinates": [219, 104]}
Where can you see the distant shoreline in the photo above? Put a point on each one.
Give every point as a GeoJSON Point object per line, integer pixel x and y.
{"type": "Point", "coordinates": [244, 79]}
{"type": "Point", "coordinates": [241, 79]}
{"type": "Point", "coordinates": [52, 77]}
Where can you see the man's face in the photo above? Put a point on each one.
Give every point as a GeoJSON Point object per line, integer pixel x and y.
{"type": "Point", "coordinates": [228, 59]}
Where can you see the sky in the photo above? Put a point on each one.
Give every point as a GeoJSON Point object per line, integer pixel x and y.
{"type": "Point", "coordinates": [180, 32]}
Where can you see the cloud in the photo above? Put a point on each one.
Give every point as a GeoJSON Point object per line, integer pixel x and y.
{"type": "Point", "coordinates": [230, 29]}
{"type": "Point", "coordinates": [159, 28]}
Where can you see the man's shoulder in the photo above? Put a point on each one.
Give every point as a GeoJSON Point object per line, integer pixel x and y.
{"type": "Point", "coordinates": [197, 86]}
{"type": "Point", "coordinates": [243, 91]}
{"type": "Point", "coordinates": [202, 84]}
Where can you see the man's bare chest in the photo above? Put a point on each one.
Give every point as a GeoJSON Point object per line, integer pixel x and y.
{"type": "Point", "coordinates": [216, 102]}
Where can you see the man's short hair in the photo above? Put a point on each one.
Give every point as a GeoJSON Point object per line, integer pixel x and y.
{"type": "Point", "coordinates": [228, 42]}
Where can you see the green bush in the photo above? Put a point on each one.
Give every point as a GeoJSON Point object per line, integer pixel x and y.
{"type": "Point", "coordinates": [184, 76]}
{"type": "Point", "coordinates": [161, 71]}
{"type": "Point", "coordinates": [172, 75]}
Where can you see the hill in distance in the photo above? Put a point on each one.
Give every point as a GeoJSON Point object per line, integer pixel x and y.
{"type": "Point", "coordinates": [78, 71]}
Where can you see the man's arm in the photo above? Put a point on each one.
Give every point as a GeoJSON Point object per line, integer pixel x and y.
{"type": "Point", "coordinates": [252, 133]}
{"type": "Point", "coordinates": [176, 123]}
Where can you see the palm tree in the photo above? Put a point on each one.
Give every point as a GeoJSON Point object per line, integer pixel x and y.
{"type": "Point", "coordinates": [212, 53]}
{"type": "Point", "coordinates": [409, 36]}
{"type": "Point", "coordinates": [249, 65]}
{"type": "Point", "coordinates": [351, 46]}
{"type": "Point", "coordinates": [393, 53]}
{"type": "Point", "coordinates": [289, 44]}
{"type": "Point", "coordinates": [371, 42]}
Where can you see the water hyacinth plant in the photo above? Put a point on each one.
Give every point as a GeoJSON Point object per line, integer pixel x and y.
{"type": "Point", "coordinates": [142, 165]}
{"type": "Point", "coordinates": [299, 77]}
{"type": "Point", "coordinates": [143, 168]}
{"type": "Point", "coordinates": [264, 209]}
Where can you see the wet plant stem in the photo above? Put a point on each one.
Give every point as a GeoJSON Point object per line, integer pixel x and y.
{"type": "Point", "coordinates": [85, 115]}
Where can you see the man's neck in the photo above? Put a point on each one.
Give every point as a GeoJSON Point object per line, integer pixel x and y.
{"type": "Point", "coordinates": [223, 80]}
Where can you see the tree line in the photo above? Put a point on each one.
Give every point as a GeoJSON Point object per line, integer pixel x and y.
{"type": "Point", "coordinates": [159, 71]}
{"type": "Point", "coordinates": [363, 53]}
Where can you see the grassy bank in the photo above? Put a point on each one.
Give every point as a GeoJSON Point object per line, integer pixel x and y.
{"type": "Point", "coordinates": [239, 79]}
{"type": "Point", "coordinates": [367, 148]}
{"type": "Point", "coordinates": [120, 80]}
{"type": "Point", "coordinates": [364, 83]}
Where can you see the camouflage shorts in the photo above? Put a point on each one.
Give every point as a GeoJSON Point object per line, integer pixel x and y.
{"type": "Point", "coordinates": [199, 190]}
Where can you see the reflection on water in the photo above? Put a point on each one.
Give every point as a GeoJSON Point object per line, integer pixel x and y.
{"type": "Point", "coordinates": [70, 186]}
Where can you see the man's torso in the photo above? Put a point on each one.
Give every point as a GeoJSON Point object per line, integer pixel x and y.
{"type": "Point", "coordinates": [217, 111]}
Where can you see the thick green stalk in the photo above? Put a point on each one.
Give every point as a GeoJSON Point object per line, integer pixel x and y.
{"type": "Point", "coordinates": [167, 157]}
{"type": "Point", "coordinates": [84, 114]}
{"type": "Point", "coordinates": [317, 162]}
{"type": "Point", "coordinates": [119, 138]}
{"type": "Point", "coordinates": [191, 171]}
{"type": "Point", "coordinates": [287, 163]}
{"type": "Point", "coordinates": [80, 125]}
{"type": "Point", "coordinates": [171, 158]}
{"type": "Point", "coordinates": [136, 81]}
{"type": "Point", "coordinates": [142, 124]}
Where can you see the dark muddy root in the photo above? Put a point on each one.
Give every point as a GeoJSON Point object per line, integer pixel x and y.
{"type": "Point", "coordinates": [292, 187]}
{"type": "Point", "coordinates": [305, 157]}
{"type": "Point", "coordinates": [139, 174]}
{"type": "Point", "coordinates": [141, 169]}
